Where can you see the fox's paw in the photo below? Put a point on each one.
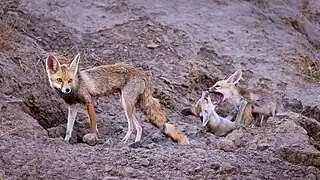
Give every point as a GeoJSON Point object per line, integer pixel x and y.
{"type": "Point", "coordinates": [66, 140]}
{"type": "Point", "coordinates": [91, 139]}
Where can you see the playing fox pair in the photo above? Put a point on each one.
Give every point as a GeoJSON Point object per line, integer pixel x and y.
{"type": "Point", "coordinates": [250, 104]}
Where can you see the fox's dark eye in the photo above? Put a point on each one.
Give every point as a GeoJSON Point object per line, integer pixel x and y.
{"type": "Point", "coordinates": [70, 81]}
{"type": "Point", "coordinates": [218, 86]}
{"type": "Point", "coordinates": [59, 80]}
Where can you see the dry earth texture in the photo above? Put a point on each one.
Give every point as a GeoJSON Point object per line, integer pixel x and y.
{"type": "Point", "coordinates": [185, 47]}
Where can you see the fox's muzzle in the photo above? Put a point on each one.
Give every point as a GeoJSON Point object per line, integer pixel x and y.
{"type": "Point", "coordinates": [211, 89]}
{"type": "Point", "coordinates": [68, 90]}
{"type": "Point", "coordinates": [65, 90]}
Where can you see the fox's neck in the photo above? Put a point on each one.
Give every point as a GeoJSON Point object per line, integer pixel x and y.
{"type": "Point", "coordinates": [214, 113]}
{"type": "Point", "coordinates": [238, 95]}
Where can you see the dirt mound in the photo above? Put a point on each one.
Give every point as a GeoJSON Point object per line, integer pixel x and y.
{"type": "Point", "coordinates": [183, 51]}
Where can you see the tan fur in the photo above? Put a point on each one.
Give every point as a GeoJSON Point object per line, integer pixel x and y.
{"type": "Point", "coordinates": [259, 100]}
{"type": "Point", "coordinates": [175, 133]}
{"type": "Point", "coordinates": [134, 85]}
{"type": "Point", "coordinates": [247, 115]}
{"type": "Point", "coordinates": [92, 116]}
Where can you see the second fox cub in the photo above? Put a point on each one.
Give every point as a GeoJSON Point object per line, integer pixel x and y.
{"type": "Point", "coordinates": [215, 124]}
{"type": "Point", "coordinates": [260, 102]}
{"type": "Point", "coordinates": [76, 86]}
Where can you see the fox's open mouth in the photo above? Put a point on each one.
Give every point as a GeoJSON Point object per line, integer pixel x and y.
{"type": "Point", "coordinates": [219, 97]}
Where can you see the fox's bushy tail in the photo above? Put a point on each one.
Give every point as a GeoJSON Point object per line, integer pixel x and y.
{"type": "Point", "coordinates": [156, 115]}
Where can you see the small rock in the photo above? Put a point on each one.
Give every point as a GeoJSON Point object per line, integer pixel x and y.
{"type": "Point", "coordinates": [166, 39]}
{"type": "Point", "coordinates": [107, 51]}
{"type": "Point", "coordinates": [152, 45]}
{"type": "Point", "coordinates": [145, 162]}
{"type": "Point", "coordinates": [226, 145]}
{"type": "Point", "coordinates": [90, 138]}
{"type": "Point", "coordinates": [263, 146]}
{"type": "Point", "coordinates": [198, 169]}
{"type": "Point", "coordinates": [108, 168]}
{"type": "Point", "coordinates": [108, 142]}
{"type": "Point", "coordinates": [136, 145]}
{"type": "Point", "coordinates": [13, 13]}
{"type": "Point", "coordinates": [226, 169]}
{"type": "Point", "coordinates": [150, 23]}
{"type": "Point", "coordinates": [216, 63]}
{"type": "Point", "coordinates": [214, 166]}
{"type": "Point", "coordinates": [200, 151]}
{"type": "Point", "coordinates": [179, 54]}
{"type": "Point", "coordinates": [129, 171]}
{"type": "Point", "coordinates": [145, 29]}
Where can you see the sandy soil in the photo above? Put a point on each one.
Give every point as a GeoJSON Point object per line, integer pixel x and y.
{"type": "Point", "coordinates": [184, 46]}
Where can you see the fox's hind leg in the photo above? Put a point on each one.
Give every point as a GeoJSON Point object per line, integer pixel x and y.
{"type": "Point", "coordinates": [128, 109]}
{"type": "Point", "coordinates": [138, 127]}
{"type": "Point", "coordinates": [129, 97]}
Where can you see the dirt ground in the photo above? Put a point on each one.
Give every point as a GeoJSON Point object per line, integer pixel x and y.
{"type": "Point", "coordinates": [185, 47]}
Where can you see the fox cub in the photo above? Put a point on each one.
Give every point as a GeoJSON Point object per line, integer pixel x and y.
{"type": "Point", "coordinates": [205, 109]}
{"type": "Point", "coordinates": [75, 86]}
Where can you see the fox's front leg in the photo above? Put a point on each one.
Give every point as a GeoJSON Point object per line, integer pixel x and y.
{"type": "Point", "coordinates": [72, 114]}
{"type": "Point", "coordinates": [248, 114]}
{"type": "Point", "coordinates": [92, 137]}
{"type": "Point", "coordinates": [92, 117]}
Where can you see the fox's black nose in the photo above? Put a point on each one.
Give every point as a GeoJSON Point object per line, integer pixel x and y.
{"type": "Point", "coordinates": [68, 90]}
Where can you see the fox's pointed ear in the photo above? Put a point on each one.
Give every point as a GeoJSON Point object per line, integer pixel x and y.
{"type": "Point", "coordinates": [235, 78]}
{"type": "Point", "coordinates": [75, 62]}
{"type": "Point", "coordinates": [52, 64]}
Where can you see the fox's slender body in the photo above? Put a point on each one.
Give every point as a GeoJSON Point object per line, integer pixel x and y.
{"type": "Point", "coordinates": [215, 124]}
{"type": "Point", "coordinates": [76, 86]}
{"type": "Point", "coordinates": [260, 102]}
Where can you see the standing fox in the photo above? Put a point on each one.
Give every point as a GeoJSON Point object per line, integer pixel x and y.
{"type": "Point", "coordinates": [260, 102]}
{"type": "Point", "coordinates": [76, 86]}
